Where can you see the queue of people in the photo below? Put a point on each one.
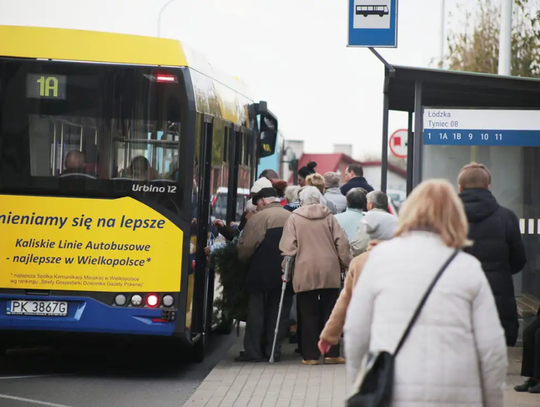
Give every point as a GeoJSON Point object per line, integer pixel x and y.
{"type": "Point", "coordinates": [360, 272]}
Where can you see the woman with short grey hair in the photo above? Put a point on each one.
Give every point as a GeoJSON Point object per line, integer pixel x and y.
{"type": "Point", "coordinates": [313, 236]}
{"type": "Point", "coordinates": [333, 193]}
{"type": "Point", "coordinates": [292, 197]}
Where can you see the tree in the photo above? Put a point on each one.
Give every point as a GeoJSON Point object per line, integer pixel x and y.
{"type": "Point", "coordinates": [476, 48]}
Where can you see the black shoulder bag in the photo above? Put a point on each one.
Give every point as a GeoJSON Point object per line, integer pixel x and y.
{"type": "Point", "coordinates": [374, 384]}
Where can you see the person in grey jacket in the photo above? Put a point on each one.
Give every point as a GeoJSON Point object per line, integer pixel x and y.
{"type": "Point", "coordinates": [333, 193]}
{"type": "Point", "coordinates": [376, 219]}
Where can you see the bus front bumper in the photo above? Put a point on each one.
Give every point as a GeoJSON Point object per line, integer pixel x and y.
{"type": "Point", "coordinates": [86, 314]}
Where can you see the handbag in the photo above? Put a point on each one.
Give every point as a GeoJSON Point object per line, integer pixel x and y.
{"type": "Point", "coordinates": [374, 383]}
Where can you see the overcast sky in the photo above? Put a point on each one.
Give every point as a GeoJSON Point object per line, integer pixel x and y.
{"type": "Point", "coordinates": [291, 53]}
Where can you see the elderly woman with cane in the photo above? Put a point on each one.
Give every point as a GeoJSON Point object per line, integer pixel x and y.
{"type": "Point", "coordinates": [321, 250]}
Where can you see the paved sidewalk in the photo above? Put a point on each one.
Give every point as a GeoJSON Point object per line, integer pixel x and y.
{"type": "Point", "coordinates": [290, 384]}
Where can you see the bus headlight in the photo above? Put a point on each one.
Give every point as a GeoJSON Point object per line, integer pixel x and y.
{"type": "Point", "coordinates": [136, 300]}
{"type": "Point", "coordinates": [120, 300]}
{"type": "Point", "coordinates": [168, 300]}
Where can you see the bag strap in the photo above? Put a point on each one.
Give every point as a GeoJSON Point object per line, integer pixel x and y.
{"type": "Point", "coordinates": [423, 301]}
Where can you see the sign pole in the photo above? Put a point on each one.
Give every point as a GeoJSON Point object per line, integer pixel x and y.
{"type": "Point", "coordinates": [373, 23]}
{"type": "Point", "coordinates": [384, 154]}
{"type": "Point", "coordinates": [443, 17]}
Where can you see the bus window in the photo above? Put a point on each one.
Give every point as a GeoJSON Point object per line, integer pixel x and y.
{"type": "Point", "coordinates": [90, 129]}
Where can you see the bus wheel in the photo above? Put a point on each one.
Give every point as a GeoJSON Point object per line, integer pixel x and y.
{"type": "Point", "coordinates": [198, 351]}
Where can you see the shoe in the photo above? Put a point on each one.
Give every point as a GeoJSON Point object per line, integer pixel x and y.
{"type": "Point", "coordinates": [310, 362]}
{"type": "Point", "coordinates": [535, 389]}
{"type": "Point", "coordinates": [334, 361]}
{"type": "Point", "coordinates": [244, 358]}
{"type": "Point", "coordinates": [523, 388]}
{"type": "Point", "coordinates": [293, 337]}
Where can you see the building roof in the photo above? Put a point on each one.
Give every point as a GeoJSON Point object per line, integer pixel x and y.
{"type": "Point", "coordinates": [330, 162]}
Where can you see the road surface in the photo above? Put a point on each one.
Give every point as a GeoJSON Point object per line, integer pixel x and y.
{"type": "Point", "coordinates": [91, 376]}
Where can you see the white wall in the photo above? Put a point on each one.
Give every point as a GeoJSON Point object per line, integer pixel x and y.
{"type": "Point", "coordinates": [344, 148]}
{"type": "Point", "coordinates": [395, 181]}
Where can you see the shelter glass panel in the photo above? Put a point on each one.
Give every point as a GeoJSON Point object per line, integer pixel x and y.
{"type": "Point", "coordinates": [515, 184]}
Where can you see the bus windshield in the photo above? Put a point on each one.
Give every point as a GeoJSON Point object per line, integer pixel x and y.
{"type": "Point", "coordinates": [89, 129]}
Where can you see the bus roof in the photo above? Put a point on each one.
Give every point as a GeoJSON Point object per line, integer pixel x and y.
{"type": "Point", "coordinates": [112, 48]}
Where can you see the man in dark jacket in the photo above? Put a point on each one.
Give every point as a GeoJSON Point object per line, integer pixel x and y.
{"type": "Point", "coordinates": [530, 360]}
{"type": "Point", "coordinates": [355, 179]}
{"type": "Point", "coordinates": [259, 246]}
{"type": "Point", "coordinates": [497, 242]}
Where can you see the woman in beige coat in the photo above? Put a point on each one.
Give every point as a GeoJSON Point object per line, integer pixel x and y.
{"type": "Point", "coordinates": [321, 250]}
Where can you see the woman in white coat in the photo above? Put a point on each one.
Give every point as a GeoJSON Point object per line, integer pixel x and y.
{"type": "Point", "coordinates": [455, 354]}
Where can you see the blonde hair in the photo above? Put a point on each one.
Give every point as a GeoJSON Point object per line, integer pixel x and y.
{"type": "Point", "coordinates": [435, 206]}
{"type": "Point", "coordinates": [317, 181]}
{"type": "Point", "coordinates": [474, 175]}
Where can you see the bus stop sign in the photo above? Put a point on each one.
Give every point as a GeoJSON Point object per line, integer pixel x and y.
{"type": "Point", "coordinates": [398, 143]}
{"type": "Point", "coordinates": [372, 23]}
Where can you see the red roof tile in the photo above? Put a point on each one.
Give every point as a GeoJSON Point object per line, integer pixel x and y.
{"type": "Point", "coordinates": [325, 162]}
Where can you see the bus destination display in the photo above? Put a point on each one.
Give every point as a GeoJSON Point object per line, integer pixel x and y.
{"type": "Point", "coordinates": [462, 127]}
{"type": "Point", "coordinates": [45, 86]}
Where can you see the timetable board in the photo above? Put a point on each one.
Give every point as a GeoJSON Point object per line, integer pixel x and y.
{"type": "Point", "coordinates": [487, 127]}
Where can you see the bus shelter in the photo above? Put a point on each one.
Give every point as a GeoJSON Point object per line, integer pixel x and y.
{"type": "Point", "coordinates": [486, 103]}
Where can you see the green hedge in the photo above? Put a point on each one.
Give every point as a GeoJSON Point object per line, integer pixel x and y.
{"type": "Point", "coordinates": [233, 303]}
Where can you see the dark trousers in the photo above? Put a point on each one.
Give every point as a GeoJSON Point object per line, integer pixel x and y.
{"type": "Point", "coordinates": [261, 323]}
{"type": "Point", "coordinates": [530, 366]}
{"type": "Point", "coordinates": [314, 309]}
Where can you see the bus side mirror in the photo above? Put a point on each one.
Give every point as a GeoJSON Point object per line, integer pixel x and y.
{"type": "Point", "coordinates": [267, 141]}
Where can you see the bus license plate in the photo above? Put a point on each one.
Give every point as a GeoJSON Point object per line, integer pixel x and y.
{"type": "Point", "coordinates": [39, 308]}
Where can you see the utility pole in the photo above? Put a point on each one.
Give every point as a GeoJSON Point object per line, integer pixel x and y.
{"type": "Point", "coordinates": [505, 39]}
{"type": "Point", "coordinates": [442, 39]}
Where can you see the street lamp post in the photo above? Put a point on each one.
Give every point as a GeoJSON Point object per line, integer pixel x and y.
{"type": "Point", "coordinates": [159, 17]}
{"type": "Point", "coordinates": [442, 39]}
{"type": "Point", "coordinates": [293, 163]}
{"type": "Point", "coordinates": [505, 38]}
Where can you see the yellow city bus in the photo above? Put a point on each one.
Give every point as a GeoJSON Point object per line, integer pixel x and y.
{"type": "Point", "coordinates": [111, 148]}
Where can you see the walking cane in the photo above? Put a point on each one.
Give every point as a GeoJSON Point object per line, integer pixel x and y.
{"type": "Point", "coordinates": [285, 280]}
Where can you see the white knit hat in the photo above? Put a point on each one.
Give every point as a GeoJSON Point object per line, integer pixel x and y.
{"type": "Point", "coordinates": [260, 184]}
{"type": "Point", "coordinates": [380, 225]}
